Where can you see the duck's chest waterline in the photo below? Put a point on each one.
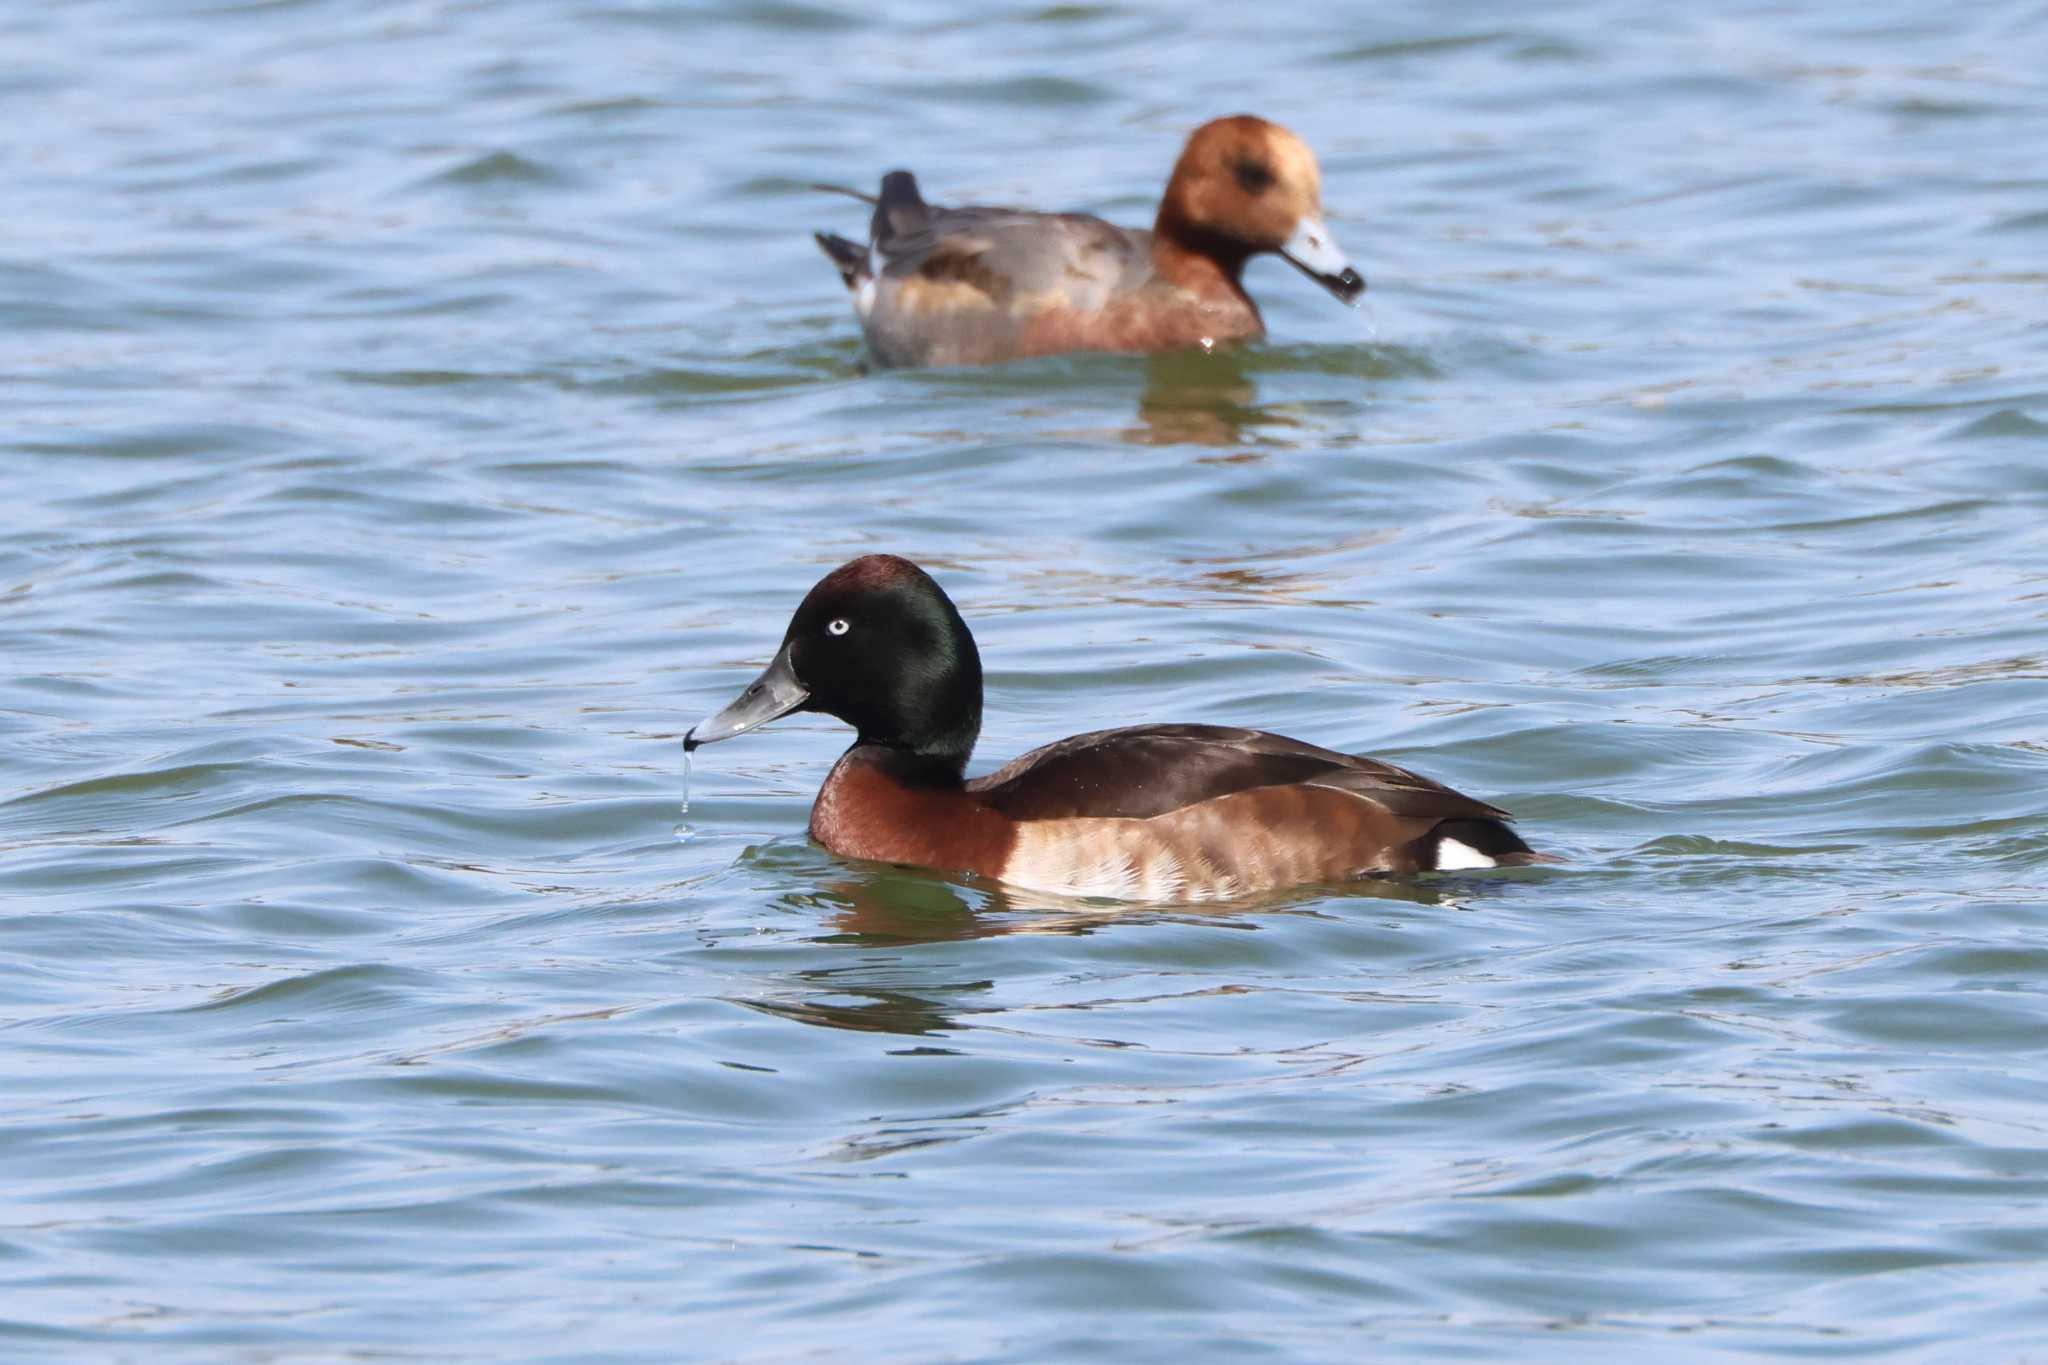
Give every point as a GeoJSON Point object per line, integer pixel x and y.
{"type": "Point", "coordinates": [863, 811]}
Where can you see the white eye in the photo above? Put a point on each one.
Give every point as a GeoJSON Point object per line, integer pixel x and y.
{"type": "Point", "coordinates": [837, 626]}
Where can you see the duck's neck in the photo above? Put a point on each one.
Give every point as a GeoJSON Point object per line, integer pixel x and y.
{"type": "Point", "coordinates": [1205, 264]}
{"type": "Point", "coordinates": [943, 769]}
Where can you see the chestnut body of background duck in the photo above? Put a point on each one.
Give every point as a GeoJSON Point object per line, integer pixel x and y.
{"type": "Point", "coordinates": [976, 285]}
{"type": "Point", "coordinates": [1150, 812]}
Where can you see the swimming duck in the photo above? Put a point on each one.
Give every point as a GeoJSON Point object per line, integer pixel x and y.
{"type": "Point", "coordinates": [1149, 812]}
{"type": "Point", "coordinates": [975, 285]}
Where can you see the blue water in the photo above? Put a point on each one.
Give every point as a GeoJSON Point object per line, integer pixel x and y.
{"type": "Point", "coordinates": [418, 414]}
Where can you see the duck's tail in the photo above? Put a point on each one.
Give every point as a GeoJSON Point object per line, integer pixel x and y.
{"type": "Point", "coordinates": [1458, 845]}
{"type": "Point", "coordinates": [899, 209]}
{"type": "Point", "coordinates": [851, 258]}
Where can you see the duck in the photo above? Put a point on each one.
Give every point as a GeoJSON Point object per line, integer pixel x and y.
{"type": "Point", "coordinates": [1154, 813]}
{"type": "Point", "coordinates": [977, 285]}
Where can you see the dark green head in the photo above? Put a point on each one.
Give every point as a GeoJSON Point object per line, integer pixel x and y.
{"type": "Point", "coordinates": [878, 644]}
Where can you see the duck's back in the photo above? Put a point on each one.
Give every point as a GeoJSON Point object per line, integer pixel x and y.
{"type": "Point", "coordinates": [972, 285]}
{"type": "Point", "coordinates": [1077, 254]}
{"type": "Point", "coordinates": [1193, 812]}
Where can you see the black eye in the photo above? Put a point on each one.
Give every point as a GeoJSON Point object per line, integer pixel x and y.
{"type": "Point", "coordinates": [1255, 176]}
{"type": "Point", "coordinates": [838, 625]}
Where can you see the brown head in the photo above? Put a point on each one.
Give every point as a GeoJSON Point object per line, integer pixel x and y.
{"type": "Point", "coordinates": [1243, 186]}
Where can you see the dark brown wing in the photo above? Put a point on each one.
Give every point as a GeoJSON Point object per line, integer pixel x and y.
{"type": "Point", "coordinates": [1146, 770]}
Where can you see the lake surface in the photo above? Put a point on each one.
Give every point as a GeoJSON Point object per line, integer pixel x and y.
{"type": "Point", "coordinates": [418, 414]}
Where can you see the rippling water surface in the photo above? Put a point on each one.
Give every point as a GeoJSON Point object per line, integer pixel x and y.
{"type": "Point", "coordinates": [418, 413]}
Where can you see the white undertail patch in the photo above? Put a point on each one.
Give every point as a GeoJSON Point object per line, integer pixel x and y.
{"type": "Point", "coordinates": [1452, 856]}
{"type": "Point", "coordinates": [864, 297]}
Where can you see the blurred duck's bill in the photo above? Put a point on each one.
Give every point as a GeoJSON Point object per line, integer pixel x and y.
{"type": "Point", "coordinates": [1315, 253]}
{"type": "Point", "coordinates": [775, 693]}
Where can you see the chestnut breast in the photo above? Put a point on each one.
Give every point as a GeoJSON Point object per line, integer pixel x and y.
{"type": "Point", "coordinates": [1154, 319]}
{"type": "Point", "coordinates": [863, 811]}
